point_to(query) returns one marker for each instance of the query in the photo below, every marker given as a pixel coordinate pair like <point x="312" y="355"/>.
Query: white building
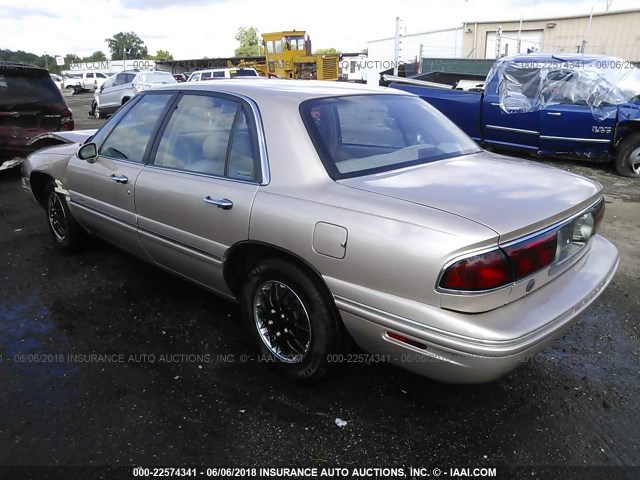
<point x="434" y="44"/>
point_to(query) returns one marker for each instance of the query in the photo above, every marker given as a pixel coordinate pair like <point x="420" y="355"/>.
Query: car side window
<point x="120" y="79"/>
<point x="89" y="75"/>
<point x="209" y="135"/>
<point x="129" y="139"/>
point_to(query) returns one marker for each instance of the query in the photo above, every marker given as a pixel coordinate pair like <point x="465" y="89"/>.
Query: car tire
<point x="293" y="320"/>
<point x="628" y="156"/>
<point x="66" y="233"/>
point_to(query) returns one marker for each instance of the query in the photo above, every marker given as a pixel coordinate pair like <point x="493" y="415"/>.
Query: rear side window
<point x="209" y="135"/>
<point x="22" y="87"/>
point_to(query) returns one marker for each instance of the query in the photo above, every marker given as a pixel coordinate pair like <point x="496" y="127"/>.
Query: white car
<point x="57" y="79"/>
<point x="78" y="82"/>
<point x="219" y="73"/>
<point x="121" y="87"/>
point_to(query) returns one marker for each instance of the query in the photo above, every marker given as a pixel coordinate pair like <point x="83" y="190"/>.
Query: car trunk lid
<point x="513" y="197"/>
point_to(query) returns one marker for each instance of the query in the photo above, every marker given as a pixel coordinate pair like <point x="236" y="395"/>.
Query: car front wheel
<point x="292" y="319"/>
<point x="628" y="156"/>
<point x="64" y="229"/>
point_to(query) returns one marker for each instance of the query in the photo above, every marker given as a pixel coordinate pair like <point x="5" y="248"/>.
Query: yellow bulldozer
<point x="288" y="55"/>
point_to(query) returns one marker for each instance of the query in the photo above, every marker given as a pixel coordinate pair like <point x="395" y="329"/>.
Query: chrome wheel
<point x="57" y="217"/>
<point x="634" y="161"/>
<point x="282" y="321"/>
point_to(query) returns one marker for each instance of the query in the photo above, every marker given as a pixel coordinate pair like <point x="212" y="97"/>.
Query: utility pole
<point x="397" y="49"/>
<point x="586" y="42"/>
<point x="519" y="35"/>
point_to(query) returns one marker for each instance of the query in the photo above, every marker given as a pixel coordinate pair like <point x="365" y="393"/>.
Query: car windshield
<point x="157" y="77"/>
<point x="27" y="88"/>
<point x="364" y="134"/>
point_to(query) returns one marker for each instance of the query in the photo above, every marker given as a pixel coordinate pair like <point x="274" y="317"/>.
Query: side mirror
<point x="88" y="152"/>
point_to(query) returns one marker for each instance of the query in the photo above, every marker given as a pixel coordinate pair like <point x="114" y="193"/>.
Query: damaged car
<point x="335" y="212"/>
<point x="566" y="106"/>
<point x="30" y="105"/>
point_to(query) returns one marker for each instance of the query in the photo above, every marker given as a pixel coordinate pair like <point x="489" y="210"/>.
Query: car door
<point x="511" y="118"/>
<point x="569" y="124"/>
<point x="89" y="81"/>
<point x="102" y="190"/>
<point x="194" y="199"/>
<point x="109" y="97"/>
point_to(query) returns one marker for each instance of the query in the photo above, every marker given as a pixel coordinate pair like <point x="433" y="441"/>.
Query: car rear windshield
<point x="364" y="134"/>
<point x="24" y="87"/>
<point x="157" y="77"/>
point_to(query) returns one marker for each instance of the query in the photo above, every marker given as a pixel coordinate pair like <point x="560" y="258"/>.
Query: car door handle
<point x="119" y="178"/>
<point x="554" y="114"/>
<point x="223" y="203"/>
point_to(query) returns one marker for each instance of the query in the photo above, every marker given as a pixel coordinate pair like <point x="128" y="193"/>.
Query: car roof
<point x="6" y="65"/>
<point x="273" y="89"/>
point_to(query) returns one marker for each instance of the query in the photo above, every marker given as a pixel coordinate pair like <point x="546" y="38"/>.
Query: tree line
<point x="123" y="45"/>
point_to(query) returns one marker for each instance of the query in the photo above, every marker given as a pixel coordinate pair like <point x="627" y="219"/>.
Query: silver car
<point x="331" y="210"/>
<point x="121" y="87"/>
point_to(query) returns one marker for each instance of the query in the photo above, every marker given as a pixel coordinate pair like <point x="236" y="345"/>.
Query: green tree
<point x="326" y="51"/>
<point x="163" y="55"/>
<point x="70" y="58"/>
<point x="97" y="56"/>
<point x="249" y="42"/>
<point x="126" y="45"/>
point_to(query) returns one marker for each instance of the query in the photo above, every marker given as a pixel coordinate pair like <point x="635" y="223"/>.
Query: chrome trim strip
<point x="182" y="247"/>
<point x="573" y="139"/>
<point x="104" y="216"/>
<point x="517" y="130"/>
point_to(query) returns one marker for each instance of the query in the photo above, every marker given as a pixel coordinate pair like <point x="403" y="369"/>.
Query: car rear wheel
<point x="64" y="229"/>
<point x="628" y="156"/>
<point x="292" y="319"/>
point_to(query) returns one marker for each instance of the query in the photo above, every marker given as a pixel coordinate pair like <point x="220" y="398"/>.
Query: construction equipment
<point x="288" y="55"/>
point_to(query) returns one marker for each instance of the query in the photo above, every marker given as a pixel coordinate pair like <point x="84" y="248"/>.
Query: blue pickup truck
<point x="575" y="106"/>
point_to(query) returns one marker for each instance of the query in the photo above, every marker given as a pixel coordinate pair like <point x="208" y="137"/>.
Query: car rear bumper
<point x="462" y="358"/>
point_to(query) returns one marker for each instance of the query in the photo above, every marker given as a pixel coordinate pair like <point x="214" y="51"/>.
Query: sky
<point x="197" y="28"/>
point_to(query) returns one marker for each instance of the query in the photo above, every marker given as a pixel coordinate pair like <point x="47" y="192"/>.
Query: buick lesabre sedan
<point x="330" y="211"/>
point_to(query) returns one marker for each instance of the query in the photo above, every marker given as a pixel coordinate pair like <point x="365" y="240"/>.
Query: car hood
<point x="72" y="136"/>
<point x="509" y="195"/>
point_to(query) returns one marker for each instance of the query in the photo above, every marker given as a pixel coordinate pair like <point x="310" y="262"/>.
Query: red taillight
<point x="66" y="122"/>
<point x="480" y="272"/>
<point x="532" y="255"/>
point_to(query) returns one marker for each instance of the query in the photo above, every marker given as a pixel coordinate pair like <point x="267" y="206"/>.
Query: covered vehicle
<point x="30" y="104"/>
<point x="575" y="106"/>
<point x="329" y="210"/>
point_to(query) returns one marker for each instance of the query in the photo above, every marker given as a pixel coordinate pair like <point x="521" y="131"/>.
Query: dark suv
<point x="30" y="104"/>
